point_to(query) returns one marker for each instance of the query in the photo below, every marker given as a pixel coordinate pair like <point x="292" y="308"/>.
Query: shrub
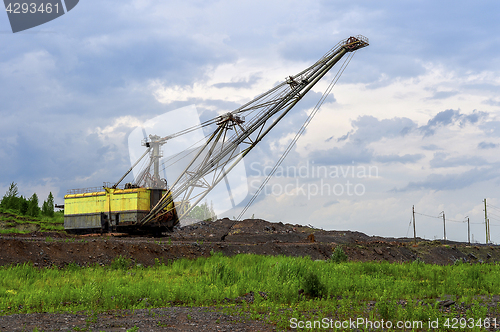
<point x="386" y="307"/>
<point x="120" y="263"/>
<point x="338" y="255"/>
<point x="313" y="286"/>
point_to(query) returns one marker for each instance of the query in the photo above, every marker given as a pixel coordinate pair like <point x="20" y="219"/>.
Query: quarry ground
<point x="226" y="236"/>
<point x="231" y="238"/>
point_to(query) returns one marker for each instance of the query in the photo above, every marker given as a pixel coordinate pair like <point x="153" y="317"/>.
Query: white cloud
<point x="81" y="89"/>
<point x="116" y="130"/>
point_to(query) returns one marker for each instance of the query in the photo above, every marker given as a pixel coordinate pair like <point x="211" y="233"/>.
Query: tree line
<point x="203" y="212"/>
<point x="29" y="206"/>
<point x="26" y="206"/>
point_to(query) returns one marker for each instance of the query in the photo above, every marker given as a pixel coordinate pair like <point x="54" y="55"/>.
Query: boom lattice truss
<point x="236" y="134"/>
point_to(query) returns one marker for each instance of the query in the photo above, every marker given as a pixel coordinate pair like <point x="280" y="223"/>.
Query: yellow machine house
<point x="109" y="209"/>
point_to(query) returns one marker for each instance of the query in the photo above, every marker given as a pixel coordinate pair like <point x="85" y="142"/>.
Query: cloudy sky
<point x="414" y="119"/>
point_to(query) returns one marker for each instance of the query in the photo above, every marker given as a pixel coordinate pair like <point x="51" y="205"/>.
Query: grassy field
<point x="286" y="290"/>
<point x="11" y="222"/>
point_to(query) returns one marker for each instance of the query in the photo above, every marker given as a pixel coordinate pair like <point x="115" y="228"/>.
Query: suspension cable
<point x="299" y="133"/>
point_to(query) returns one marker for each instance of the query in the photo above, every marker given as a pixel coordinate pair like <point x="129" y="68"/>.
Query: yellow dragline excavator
<point x="149" y="204"/>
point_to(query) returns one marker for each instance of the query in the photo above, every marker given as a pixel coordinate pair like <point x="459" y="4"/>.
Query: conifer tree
<point x="9" y="200"/>
<point x="33" y="208"/>
<point x="23" y="205"/>
<point x="48" y="206"/>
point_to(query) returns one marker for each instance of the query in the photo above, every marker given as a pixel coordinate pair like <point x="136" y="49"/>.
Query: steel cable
<point x="298" y="134"/>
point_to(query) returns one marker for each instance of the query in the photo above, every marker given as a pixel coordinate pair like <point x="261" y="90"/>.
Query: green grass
<point x="337" y="291"/>
<point x="12" y="231"/>
<point x="47" y="224"/>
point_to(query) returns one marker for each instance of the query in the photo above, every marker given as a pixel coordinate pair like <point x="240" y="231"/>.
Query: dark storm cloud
<point x="342" y="138"/>
<point x="440" y="160"/>
<point x="240" y="84"/>
<point x="405" y="159"/>
<point x="418" y="33"/>
<point x="368" y="129"/>
<point x="330" y="203"/>
<point x="452" y="181"/>
<point x="70" y="156"/>
<point x="491" y="128"/>
<point x="449" y="117"/>
<point x="431" y="147"/>
<point x="350" y="154"/>
<point x="491" y="102"/>
<point x="487" y="145"/>
<point x="96" y="66"/>
<point x="87" y="68"/>
<point x="345" y="155"/>
<point x="443" y="118"/>
<point x="99" y="49"/>
<point x="443" y="94"/>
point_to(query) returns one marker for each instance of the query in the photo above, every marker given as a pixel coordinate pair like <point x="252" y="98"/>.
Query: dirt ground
<point x="226" y="236"/>
<point x="231" y="238"/>
<point x="160" y="319"/>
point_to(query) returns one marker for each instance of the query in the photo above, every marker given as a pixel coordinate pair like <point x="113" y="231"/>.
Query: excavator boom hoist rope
<point x="239" y="131"/>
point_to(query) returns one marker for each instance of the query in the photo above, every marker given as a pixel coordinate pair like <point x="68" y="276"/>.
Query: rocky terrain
<point x="226" y="236"/>
<point x="231" y="238"/>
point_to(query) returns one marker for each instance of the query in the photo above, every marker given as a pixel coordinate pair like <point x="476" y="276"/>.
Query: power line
<point x="497" y="219"/>
<point x="440" y="217"/>
<point x="454" y="220"/>
<point x="409" y="225"/>
<point x="496" y="215"/>
<point x="493" y="206"/>
<point x="428" y="215"/>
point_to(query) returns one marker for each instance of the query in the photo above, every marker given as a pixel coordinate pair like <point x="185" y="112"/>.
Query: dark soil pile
<point x="227" y="236"/>
<point x="231" y="238"/>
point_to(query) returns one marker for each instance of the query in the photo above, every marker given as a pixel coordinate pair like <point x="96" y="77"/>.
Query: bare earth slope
<point x="231" y="238"/>
<point x="226" y="236"/>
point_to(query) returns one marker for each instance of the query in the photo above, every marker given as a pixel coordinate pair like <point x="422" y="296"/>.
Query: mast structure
<point x="235" y="135"/>
<point x="150" y="175"/>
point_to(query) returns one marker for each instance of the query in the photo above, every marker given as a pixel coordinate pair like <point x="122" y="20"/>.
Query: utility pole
<point x="414" y="232"/>
<point x="489" y="233"/>
<point x="486" y="220"/>
<point x="468" y="230"/>
<point x="444" y="228"/>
